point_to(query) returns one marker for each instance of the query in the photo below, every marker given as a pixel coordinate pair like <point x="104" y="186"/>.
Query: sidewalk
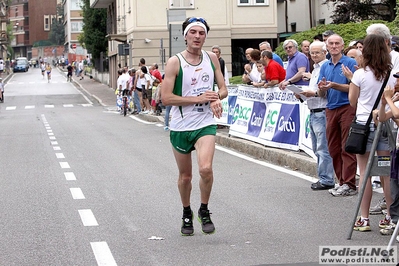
<point x="298" y="161"/>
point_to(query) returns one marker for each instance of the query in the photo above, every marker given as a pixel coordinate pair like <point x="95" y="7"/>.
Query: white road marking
<point x="68" y="105"/>
<point x="29" y="107"/>
<point x="278" y="168"/>
<point x="103" y="254"/>
<point x="87" y="217"/>
<point x="49" y="106"/>
<point x="49" y="130"/>
<point x="9" y="108"/>
<point x="57" y="148"/>
<point x="60" y="155"/>
<point x="54" y="143"/>
<point x="140" y="120"/>
<point x="50" y="133"/>
<point x="64" y="165"/>
<point x="87" y="104"/>
<point x="77" y="193"/>
<point x="52" y="138"/>
<point x="69" y="176"/>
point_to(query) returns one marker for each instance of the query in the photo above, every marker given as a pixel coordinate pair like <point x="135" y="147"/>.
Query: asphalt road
<point x="82" y="185"/>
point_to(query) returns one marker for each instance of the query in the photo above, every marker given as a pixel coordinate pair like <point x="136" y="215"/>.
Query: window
<point x="46" y="23"/>
<point x="253" y="2"/>
<point x="76" y="26"/>
<point x="76" y="4"/>
<point x="182" y="4"/>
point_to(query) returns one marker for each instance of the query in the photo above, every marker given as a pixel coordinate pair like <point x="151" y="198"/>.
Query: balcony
<point x="101" y="3"/>
<point x="3" y="36"/>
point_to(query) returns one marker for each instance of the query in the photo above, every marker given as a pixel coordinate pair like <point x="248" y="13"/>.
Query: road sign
<point x="73" y="46"/>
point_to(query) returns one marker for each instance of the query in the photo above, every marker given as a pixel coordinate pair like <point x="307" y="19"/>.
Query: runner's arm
<point x="169" y="98"/>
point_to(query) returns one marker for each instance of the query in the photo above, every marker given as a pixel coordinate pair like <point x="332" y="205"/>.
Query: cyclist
<point x="122" y="85"/>
<point x="48" y="70"/>
<point x="69" y="75"/>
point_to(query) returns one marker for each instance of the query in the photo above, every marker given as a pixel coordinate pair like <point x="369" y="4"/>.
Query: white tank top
<point x="193" y="80"/>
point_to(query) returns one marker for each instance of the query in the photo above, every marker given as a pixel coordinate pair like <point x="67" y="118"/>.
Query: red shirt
<point x="157" y="74"/>
<point x="274" y="71"/>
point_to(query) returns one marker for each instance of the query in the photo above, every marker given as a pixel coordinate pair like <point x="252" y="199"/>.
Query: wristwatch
<point x="316" y="94"/>
<point x="290" y="82"/>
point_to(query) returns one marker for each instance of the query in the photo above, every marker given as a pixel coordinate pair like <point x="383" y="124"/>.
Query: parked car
<point x="21" y="66"/>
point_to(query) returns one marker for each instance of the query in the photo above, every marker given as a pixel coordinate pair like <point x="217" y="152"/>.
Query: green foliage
<point x="236" y="80"/>
<point x="94" y="30"/>
<point x="43" y="43"/>
<point x="57" y="33"/>
<point x="359" y="10"/>
<point x="349" y="32"/>
<point x="9" y="32"/>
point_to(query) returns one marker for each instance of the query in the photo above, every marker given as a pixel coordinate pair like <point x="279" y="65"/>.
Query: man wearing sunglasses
<point x="188" y="87"/>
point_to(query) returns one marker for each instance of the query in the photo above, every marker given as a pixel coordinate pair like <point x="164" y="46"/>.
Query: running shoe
<point x="388" y="230"/>
<point x="187" y="228"/>
<point x="331" y="190"/>
<point x="362" y="225"/>
<point x="204" y="217"/>
<point x="384" y="223"/>
<point x="344" y="191"/>
<point x="379" y="207"/>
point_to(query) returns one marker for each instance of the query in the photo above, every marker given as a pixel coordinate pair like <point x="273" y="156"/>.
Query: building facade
<point x="31" y="22"/>
<point x="4" y="41"/>
<point x="152" y="29"/>
<point x="73" y="25"/>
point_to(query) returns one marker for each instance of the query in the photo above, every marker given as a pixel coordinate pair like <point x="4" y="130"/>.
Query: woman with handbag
<point x="365" y="91"/>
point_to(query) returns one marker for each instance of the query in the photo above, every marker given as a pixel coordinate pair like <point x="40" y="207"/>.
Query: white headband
<point x="196" y="23"/>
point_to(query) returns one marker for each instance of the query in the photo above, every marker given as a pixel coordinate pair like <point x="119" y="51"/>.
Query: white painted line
<point x="9" y="108"/>
<point x="29" y="107"/>
<point x="52" y="138"/>
<point x="69" y="176"/>
<point x="49" y="130"/>
<point x="278" y="168"/>
<point x="87" y="104"/>
<point x="142" y="121"/>
<point x="48" y="127"/>
<point x="48" y="106"/>
<point x="88" y="218"/>
<point x="50" y="133"/>
<point x="54" y="143"/>
<point x="64" y="165"/>
<point x="68" y="105"/>
<point x="57" y="148"/>
<point x="77" y="193"/>
<point x="60" y="155"/>
<point x="103" y="254"/>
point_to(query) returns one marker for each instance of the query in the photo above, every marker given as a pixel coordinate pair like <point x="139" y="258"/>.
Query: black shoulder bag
<point x="358" y="134"/>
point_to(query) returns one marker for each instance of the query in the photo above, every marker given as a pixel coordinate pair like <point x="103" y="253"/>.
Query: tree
<point x="94" y="30"/>
<point x="57" y="33"/>
<point x="349" y="32"/>
<point x="359" y="10"/>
